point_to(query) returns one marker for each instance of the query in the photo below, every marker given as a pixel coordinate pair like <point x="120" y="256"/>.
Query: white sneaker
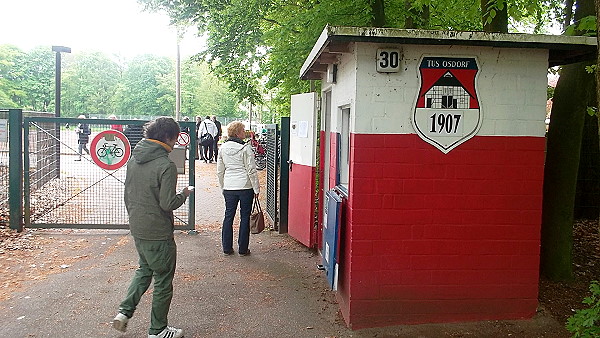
<point x="168" y="332"/>
<point x="120" y="322"/>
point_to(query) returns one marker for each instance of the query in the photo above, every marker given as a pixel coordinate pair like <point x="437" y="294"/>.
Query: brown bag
<point x="257" y="219"/>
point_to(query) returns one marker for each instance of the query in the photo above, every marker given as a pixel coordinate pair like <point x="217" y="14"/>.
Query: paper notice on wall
<point x="3" y="130"/>
<point x="303" y="129"/>
<point x="294" y="128"/>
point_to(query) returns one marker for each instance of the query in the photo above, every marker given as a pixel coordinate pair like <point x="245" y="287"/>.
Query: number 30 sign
<point x="388" y="60"/>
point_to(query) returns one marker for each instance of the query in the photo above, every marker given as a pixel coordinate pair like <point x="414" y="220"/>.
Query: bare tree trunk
<point x="568" y="14"/>
<point x="499" y="21"/>
<point x="597" y="7"/>
<point x="417" y="17"/>
<point x="572" y="95"/>
<point x="377" y="8"/>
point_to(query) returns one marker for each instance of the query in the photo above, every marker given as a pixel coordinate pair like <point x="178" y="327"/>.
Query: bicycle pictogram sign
<point x="183" y="139"/>
<point x="110" y="149"/>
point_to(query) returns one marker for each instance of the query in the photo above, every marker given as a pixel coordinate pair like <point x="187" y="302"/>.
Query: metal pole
<point x="15" y="175"/>
<point x="178" y="85"/>
<point x="57" y="86"/>
<point x="58" y="50"/>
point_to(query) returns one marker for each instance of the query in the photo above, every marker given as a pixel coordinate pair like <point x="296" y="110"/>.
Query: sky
<point x="110" y="26"/>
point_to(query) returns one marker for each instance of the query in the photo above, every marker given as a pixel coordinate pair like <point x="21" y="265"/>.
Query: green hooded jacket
<point x="150" y="191"/>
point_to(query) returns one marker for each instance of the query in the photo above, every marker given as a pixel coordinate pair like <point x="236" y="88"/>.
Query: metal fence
<point x="69" y="189"/>
<point x="272" y="148"/>
<point x="4" y="179"/>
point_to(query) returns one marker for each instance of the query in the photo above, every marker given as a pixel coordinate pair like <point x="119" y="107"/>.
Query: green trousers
<point x="156" y="259"/>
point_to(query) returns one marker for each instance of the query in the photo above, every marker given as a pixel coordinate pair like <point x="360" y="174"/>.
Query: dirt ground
<point x="42" y="263"/>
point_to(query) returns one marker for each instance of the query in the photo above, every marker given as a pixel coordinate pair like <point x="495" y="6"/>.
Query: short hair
<point x="235" y="128"/>
<point x="208" y="117"/>
<point x="162" y="129"/>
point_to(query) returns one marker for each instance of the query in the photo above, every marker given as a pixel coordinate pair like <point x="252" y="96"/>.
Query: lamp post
<point x="58" y="50"/>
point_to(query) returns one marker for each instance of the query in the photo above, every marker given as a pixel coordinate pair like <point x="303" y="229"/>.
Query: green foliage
<point x="204" y="94"/>
<point x="259" y="46"/>
<point x="10" y="94"/>
<point x="93" y="83"/>
<point x="88" y="90"/>
<point x="585" y="323"/>
<point x="586" y="26"/>
<point x="36" y="79"/>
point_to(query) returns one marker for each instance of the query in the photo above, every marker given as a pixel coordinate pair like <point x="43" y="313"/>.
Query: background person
<point x="83" y="137"/>
<point x="150" y="199"/>
<point x="237" y="176"/>
<point x="198" y="152"/>
<point x="118" y="127"/>
<point x="207" y="126"/>
<point x="219" y="134"/>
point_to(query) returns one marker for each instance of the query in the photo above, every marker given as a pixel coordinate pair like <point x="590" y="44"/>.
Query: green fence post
<point x="284" y="175"/>
<point x="15" y="190"/>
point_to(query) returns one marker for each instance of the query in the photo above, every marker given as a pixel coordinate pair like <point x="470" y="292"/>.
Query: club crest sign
<point x="447" y="111"/>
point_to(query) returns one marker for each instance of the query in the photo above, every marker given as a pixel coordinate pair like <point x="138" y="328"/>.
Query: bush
<point x="585" y="323"/>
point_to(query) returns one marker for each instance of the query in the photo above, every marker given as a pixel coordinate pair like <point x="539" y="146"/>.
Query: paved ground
<point x="275" y="292"/>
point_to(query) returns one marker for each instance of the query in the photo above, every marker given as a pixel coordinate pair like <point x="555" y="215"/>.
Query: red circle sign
<point x="110" y="149"/>
<point x="183" y="139"/>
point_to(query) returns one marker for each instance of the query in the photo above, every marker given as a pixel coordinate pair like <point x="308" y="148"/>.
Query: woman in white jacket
<point x="236" y="170"/>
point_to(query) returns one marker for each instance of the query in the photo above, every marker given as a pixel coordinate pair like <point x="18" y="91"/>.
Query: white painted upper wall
<point x="511" y="88"/>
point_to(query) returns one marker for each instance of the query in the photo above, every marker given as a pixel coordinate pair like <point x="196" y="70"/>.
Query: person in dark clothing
<point x="150" y="198"/>
<point x="83" y="137"/>
<point x="207" y="127"/>
<point x="134" y="133"/>
<point x="218" y="137"/>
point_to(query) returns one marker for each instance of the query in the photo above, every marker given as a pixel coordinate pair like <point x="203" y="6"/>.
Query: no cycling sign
<point x="110" y="149"/>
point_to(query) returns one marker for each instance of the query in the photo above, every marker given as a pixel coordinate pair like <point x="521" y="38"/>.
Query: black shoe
<point x="78" y="159"/>
<point x="229" y="253"/>
<point x="245" y="253"/>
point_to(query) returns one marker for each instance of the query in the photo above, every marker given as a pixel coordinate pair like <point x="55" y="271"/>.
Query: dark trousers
<point x="232" y="197"/>
<point x="216" y="147"/>
<point x="207" y="152"/>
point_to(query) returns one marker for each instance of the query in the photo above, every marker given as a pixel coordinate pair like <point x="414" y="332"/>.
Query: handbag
<point x="257" y="219"/>
<point x="206" y="139"/>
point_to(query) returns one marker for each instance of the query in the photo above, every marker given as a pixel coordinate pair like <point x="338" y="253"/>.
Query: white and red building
<point x="436" y="140"/>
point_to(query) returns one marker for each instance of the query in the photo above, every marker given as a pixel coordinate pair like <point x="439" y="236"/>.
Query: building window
<point x="344" y="148"/>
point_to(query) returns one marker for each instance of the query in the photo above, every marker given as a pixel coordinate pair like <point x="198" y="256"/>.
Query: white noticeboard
<point x="303" y="132"/>
<point x="3" y="130"/>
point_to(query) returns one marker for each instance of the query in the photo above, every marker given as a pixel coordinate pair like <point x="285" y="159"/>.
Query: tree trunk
<point x="568" y="14"/>
<point x="377" y="8"/>
<point x="571" y="98"/>
<point x="597" y="6"/>
<point x="560" y="173"/>
<point x="499" y="21"/>
<point x="417" y="17"/>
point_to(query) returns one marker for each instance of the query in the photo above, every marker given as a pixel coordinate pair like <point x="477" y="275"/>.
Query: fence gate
<point x="65" y="190"/>
<point x="272" y="138"/>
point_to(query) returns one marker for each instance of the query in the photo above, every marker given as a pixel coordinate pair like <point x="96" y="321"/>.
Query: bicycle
<point x="260" y="152"/>
<point x="107" y="150"/>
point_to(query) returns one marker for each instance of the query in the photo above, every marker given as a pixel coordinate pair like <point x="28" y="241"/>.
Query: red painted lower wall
<point x="301" y="213"/>
<point x="433" y="237"/>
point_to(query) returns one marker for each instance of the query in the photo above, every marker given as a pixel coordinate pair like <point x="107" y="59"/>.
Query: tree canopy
<point x="259" y="46"/>
<point x="97" y="84"/>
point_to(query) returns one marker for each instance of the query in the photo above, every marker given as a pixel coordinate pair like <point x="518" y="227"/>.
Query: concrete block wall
<point x="439" y="238"/>
<point x="433" y="237"/>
